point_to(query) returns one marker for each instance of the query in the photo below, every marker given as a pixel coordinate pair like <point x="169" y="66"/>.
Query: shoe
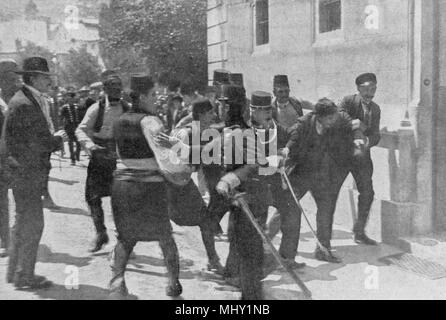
<point x="99" y="242"/>
<point x="3" y="252"/>
<point x="361" y="238"/>
<point x="233" y="281"/>
<point x="119" y="293"/>
<point x="37" y="282"/>
<point x="320" y="255"/>
<point x="174" y="289"/>
<point x="293" y="264"/>
<point x="216" y="267"/>
<point x="73" y="163"/>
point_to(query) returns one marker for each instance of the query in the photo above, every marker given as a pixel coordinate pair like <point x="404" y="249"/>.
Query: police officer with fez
<point x="96" y="136"/>
<point x="30" y="139"/>
<point x="366" y="115"/>
<point x="139" y="197"/>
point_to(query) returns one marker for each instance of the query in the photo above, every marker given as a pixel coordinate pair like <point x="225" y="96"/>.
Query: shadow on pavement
<point x="73" y="211"/>
<point x="67" y="182"/>
<point x="84" y="292"/>
<point x="156" y="262"/>
<point x="45" y="255"/>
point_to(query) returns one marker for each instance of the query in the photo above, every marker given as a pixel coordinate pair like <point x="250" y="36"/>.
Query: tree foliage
<point x="163" y="36"/>
<point x="81" y="68"/>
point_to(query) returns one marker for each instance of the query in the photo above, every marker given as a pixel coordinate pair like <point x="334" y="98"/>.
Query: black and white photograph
<point x="241" y="151"/>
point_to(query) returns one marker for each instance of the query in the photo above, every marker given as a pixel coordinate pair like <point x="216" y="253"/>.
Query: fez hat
<point x="232" y="93"/>
<point x="261" y="99"/>
<point x="201" y="105"/>
<point x="35" y="65"/>
<point x="7" y="65"/>
<point x="281" y="80"/>
<point x="109" y="75"/>
<point x="141" y="83"/>
<point x="236" y="79"/>
<point x="366" y="79"/>
<point x="221" y="76"/>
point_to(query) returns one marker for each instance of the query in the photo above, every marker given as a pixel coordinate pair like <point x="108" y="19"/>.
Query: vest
<point x="129" y="137"/>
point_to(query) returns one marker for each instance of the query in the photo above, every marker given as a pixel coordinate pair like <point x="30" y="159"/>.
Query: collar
<point x="34" y="91"/>
<point x="282" y="105"/>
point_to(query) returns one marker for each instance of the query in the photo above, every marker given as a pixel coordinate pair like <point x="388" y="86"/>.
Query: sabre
<point x="245" y="208"/>
<point x="287" y="180"/>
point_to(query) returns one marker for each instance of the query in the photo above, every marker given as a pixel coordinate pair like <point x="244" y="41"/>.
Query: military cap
<point x="261" y="99"/>
<point x="281" y="80"/>
<point x="221" y="76"/>
<point x="366" y="79"/>
<point x="109" y="75"/>
<point x="141" y="83"/>
<point x="177" y="97"/>
<point x="8" y="65"/>
<point x="236" y="79"/>
<point x="201" y="105"/>
<point x="96" y="85"/>
<point x="84" y="89"/>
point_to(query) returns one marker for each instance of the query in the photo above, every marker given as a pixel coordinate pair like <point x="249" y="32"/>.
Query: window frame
<point x="263" y="47"/>
<point x="329" y="37"/>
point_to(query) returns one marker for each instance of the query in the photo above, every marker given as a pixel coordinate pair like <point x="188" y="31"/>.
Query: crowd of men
<point x="125" y="134"/>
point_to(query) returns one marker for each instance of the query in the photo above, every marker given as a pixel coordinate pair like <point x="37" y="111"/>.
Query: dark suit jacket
<point x="28" y="138"/>
<point x="71" y="116"/>
<point x="337" y="141"/>
<point x="353" y="107"/>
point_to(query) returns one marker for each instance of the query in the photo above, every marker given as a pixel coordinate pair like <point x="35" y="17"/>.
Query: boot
<point x="117" y="287"/>
<point x="320" y="255"/>
<point x="216" y="266"/>
<point x="361" y="238"/>
<point x="174" y="288"/>
<point x="99" y="242"/>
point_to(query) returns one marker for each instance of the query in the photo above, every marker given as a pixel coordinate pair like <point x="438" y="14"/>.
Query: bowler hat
<point x="236" y="79"/>
<point x="281" y="80"/>
<point x="8" y="65"/>
<point x="141" y="83"/>
<point x="366" y="79"/>
<point x="221" y="76"/>
<point x="35" y="65"/>
<point x="261" y="99"/>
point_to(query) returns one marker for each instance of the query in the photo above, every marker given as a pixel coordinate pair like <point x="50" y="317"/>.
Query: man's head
<point x="143" y="92"/>
<point x="203" y="111"/>
<point x="326" y="113"/>
<point x="187" y="90"/>
<point x="70" y="95"/>
<point x="221" y="77"/>
<point x="112" y="84"/>
<point x="9" y="80"/>
<point x="177" y="100"/>
<point x="261" y="110"/>
<point x="281" y="88"/>
<point x="36" y="74"/>
<point x="367" y="85"/>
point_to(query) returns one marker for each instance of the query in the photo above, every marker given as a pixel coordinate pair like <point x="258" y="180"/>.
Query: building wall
<point x="327" y="65"/>
<point x="217" y="43"/>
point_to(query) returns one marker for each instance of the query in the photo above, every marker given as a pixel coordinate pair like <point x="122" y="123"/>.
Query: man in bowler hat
<point x="366" y="115"/>
<point x="30" y="139"/>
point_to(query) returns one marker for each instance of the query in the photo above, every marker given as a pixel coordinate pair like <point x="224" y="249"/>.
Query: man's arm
<point x="375" y="135"/>
<point x="85" y="130"/>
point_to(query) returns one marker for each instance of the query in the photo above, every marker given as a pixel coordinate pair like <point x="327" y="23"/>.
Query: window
<point x="329" y="15"/>
<point x="262" y="22"/>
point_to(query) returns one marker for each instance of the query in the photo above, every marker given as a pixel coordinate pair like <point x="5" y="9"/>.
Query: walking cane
<point x="287" y="180"/>
<point x="247" y="211"/>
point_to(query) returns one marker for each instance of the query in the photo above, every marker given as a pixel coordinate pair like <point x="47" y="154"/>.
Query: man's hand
<point x="62" y="134"/>
<point x="356" y="124"/>
<point x="359" y="143"/>
<point x="95" y="149"/>
<point x="223" y="189"/>
<point x="166" y="141"/>
<point x="285" y="152"/>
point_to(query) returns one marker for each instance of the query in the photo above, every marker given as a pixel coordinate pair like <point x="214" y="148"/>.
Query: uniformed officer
<point x="366" y="114"/>
<point x="96" y="136"/>
<point x="70" y="116"/>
